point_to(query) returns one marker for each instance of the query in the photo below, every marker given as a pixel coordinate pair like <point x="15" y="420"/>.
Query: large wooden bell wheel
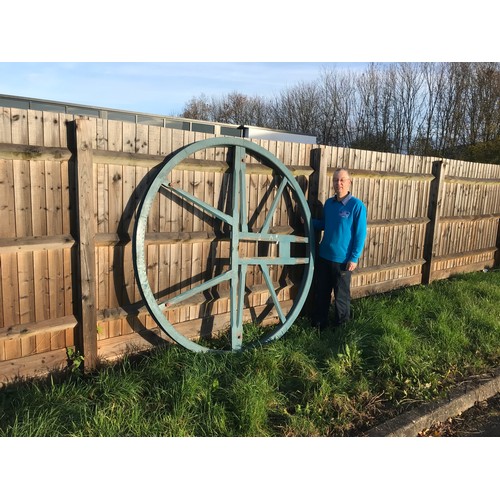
<point x="237" y="221"/>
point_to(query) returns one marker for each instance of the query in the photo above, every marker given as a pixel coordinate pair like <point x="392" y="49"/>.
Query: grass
<point x="400" y="350"/>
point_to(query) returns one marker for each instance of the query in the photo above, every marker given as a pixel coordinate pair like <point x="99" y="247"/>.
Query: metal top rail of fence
<point x="179" y="123"/>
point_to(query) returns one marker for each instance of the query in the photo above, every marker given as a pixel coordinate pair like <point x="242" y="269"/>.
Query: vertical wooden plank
<point x="115" y="197"/>
<point x="41" y="286"/>
<point x="299" y="155"/>
<point x="377" y="240"/>
<point x="177" y="139"/>
<point x="102" y="284"/>
<point x="154" y="140"/>
<point x="165" y="141"/>
<point x="116" y="285"/>
<point x="405" y="198"/>
<point x="9" y="293"/>
<point x="53" y="194"/>
<point x="128" y="137"/>
<point x="186" y="275"/>
<point x="175" y="274"/>
<point x="388" y="199"/>
<point x="7" y="200"/>
<point x="294" y="154"/>
<point x="405" y="238"/>
<point x="113" y="278"/>
<point x="210" y="198"/>
<point x="384" y="242"/>
<point x="26" y="287"/>
<point x="164" y="268"/>
<point x="5" y="125"/>
<point x="68" y="291"/>
<point x="187" y="216"/>
<point x="9" y="284"/>
<point x="102" y="197"/>
<point x="412" y="204"/>
<point x="198" y="179"/>
<point x="141" y="183"/>
<point x="51" y="129"/>
<point x="56" y="283"/>
<point x="381" y="187"/>
<point x="151" y="144"/>
<point x="253" y="200"/>
<point x="35" y="128"/>
<point x="196" y="271"/>
<point x="126" y="229"/>
<point x="22" y="188"/>
<point x="141" y="138"/>
<point x="87" y="315"/>
<point x="19" y="126"/>
<point x="115" y="141"/>
<point x="38" y="198"/>
<point x="65" y="198"/>
<point x="10" y="274"/>
<point x="102" y="134"/>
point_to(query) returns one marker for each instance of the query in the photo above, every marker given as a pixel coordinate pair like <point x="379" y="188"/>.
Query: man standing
<point x="344" y="226"/>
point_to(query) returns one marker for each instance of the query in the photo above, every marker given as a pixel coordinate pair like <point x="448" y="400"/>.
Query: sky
<point x="154" y="87"/>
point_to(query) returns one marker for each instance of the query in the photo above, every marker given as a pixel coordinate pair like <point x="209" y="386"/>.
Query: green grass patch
<point x="403" y="348"/>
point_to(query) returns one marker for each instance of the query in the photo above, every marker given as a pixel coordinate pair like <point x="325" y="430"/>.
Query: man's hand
<point x="350" y="266"/>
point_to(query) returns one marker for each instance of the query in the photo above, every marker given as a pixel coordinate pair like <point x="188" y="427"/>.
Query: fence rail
<point x="70" y="188"/>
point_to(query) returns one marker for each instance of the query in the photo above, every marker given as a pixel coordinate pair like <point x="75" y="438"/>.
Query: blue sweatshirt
<point x="344" y="225"/>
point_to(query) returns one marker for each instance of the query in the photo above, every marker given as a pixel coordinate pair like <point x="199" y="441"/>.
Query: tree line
<point x="449" y="109"/>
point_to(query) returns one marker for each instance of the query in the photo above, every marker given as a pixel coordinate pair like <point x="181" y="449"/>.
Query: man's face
<point x="341" y="183"/>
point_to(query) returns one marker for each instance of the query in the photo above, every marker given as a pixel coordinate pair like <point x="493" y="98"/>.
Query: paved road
<point x="471" y="409"/>
<point x="481" y="420"/>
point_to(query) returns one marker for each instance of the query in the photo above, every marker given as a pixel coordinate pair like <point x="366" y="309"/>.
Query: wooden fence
<point x="70" y="187"/>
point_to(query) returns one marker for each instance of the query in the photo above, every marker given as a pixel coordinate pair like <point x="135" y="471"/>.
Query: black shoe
<point x="320" y="326"/>
<point x="340" y="324"/>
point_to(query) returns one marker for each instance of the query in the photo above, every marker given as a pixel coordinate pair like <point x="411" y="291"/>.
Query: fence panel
<point x="468" y="230"/>
<point x="69" y="197"/>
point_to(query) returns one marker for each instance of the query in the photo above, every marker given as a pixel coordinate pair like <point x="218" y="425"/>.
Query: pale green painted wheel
<point x="237" y="220"/>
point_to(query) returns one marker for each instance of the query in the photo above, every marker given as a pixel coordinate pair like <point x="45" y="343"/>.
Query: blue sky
<point x="160" y="88"/>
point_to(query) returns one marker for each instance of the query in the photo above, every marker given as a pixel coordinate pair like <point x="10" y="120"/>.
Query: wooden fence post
<point x="318" y="184"/>
<point x="433" y="213"/>
<point x="317" y="194"/>
<point x="85" y="307"/>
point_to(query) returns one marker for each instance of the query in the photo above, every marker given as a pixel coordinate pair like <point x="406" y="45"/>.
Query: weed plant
<point x="401" y="349"/>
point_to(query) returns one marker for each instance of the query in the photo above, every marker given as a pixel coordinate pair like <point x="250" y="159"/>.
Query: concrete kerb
<point x="460" y="399"/>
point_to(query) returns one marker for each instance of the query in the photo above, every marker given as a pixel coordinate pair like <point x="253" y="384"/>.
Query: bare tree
<point x="337" y="100"/>
<point x="239" y="109"/>
<point x="373" y="110"/>
<point x="234" y="108"/>
<point x="409" y="101"/>
<point x="198" y="108"/>
<point x="417" y="108"/>
<point x="296" y="109"/>
<point x="483" y="102"/>
<point x="424" y="138"/>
